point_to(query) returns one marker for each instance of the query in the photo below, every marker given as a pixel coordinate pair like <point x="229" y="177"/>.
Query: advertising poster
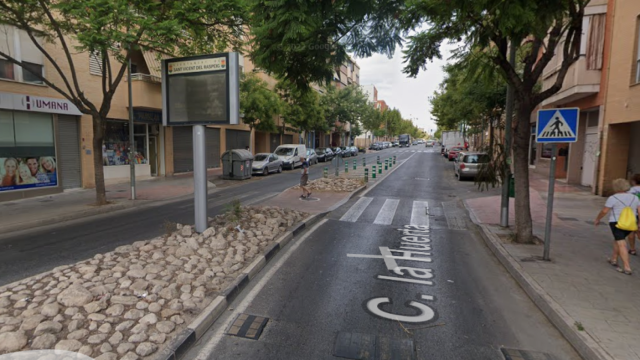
<point x="27" y="172"/>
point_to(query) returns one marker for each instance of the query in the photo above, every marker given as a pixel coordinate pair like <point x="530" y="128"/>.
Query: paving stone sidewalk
<point x="595" y="307"/>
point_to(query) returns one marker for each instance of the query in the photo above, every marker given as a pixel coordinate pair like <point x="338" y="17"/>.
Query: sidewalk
<point x="596" y="308"/>
<point x="73" y="204"/>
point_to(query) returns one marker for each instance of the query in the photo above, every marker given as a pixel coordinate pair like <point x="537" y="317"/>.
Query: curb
<point x="581" y="341"/>
<point x="199" y="326"/>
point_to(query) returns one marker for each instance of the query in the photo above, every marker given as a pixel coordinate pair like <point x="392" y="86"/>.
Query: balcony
<point x="147" y="91"/>
<point x="579" y="83"/>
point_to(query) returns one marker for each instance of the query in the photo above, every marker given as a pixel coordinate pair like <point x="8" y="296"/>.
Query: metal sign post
<point x="555" y="126"/>
<point x="200" y="177"/>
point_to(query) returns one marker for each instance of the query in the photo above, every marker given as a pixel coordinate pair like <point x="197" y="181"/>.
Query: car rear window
<point x="261" y="157"/>
<point x="476" y="159"/>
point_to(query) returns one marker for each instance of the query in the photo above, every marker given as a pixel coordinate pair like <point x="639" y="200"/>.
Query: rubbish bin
<point x="236" y="164"/>
<point x="512" y="186"/>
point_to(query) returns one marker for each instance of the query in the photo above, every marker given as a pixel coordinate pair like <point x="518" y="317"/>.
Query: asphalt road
<point x="324" y="298"/>
<point x="31" y="252"/>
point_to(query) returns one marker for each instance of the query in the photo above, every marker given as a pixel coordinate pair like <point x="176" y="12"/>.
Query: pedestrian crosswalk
<point x="388" y="211"/>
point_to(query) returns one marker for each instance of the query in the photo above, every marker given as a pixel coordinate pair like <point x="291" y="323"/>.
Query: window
<point x="95" y="63"/>
<point x="595" y="44"/>
<point x="115" y="148"/>
<point x="28" y="71"/>
<point x="6" y="70"/>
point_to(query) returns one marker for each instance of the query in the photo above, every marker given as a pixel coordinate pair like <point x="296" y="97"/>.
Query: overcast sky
<point x="409" y="95"/>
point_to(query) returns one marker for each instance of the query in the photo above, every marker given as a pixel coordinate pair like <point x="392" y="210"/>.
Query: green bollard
<point x="364" y="161"/>
<point x="325" y="172"/>
<point x="394" y="159"/>
<point x="390" y="163"/>
<point x="346" y="166"/>
<point x="366" y="175"/>
<point x="355" y="164"/>
<point x="373" y="173"/>
<point x="379" y="168"/>
<point x="386" y="164"/>
<point x="378" y="159"/>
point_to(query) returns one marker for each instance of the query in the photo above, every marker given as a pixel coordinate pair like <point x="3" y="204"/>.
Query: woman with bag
<point x="623" y="208"/>
<point x="635" y="190"/>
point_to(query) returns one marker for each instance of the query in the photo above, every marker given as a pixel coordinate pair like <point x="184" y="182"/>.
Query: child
<point x="635" y="190"/>
<point x="24" y="175"/>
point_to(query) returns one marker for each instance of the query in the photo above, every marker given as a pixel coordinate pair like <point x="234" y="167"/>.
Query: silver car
<point x="312" y="157"/>
<point x="265" y="163"/>
<point x="467" y="164"/>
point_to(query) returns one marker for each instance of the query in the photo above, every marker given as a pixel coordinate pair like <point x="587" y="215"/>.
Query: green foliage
<point x="259" y="104"/>
<point x="346" y="105"/>
<point x="302" y="109"/>
<point x="233" y="211"/>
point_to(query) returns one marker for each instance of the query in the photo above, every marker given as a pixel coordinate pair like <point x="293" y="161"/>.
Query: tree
<point x="301" y="108"/>
<point x="485" y="27"/>
<point x="258" y="104"/>
<point x="112" y="30"/>
<point x="346" y="105"/>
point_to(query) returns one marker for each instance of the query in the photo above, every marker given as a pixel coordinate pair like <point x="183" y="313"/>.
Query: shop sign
<point x="28" y="172"/>
<point x="146" y="116"/>
<point x="23" y="102"/>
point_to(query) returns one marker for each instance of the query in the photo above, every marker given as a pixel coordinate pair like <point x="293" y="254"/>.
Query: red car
<point x="453" y="153"/>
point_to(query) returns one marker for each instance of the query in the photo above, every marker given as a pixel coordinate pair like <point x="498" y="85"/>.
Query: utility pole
<point x="132" y="145"/>
<point x="504" y="208"/>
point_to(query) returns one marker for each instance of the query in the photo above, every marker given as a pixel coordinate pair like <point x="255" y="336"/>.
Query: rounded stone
<point x="69" y="345"/>
<point x="155" y="307"/>
<point x="105" y="328"/>
<point x="12" y="341"/>
<point x="97" y="338"/>
<point x="50" y="310"/>
<point x="74" y="295"/>
<point x="165" y="326"/>
<point x="42" y="342"/>
<point x="78" y="334"/>
<point x="141" y="305"/>
<point x="124" y="348"/>
<point x="48" y="327"/>
<point x="115" y="310"/>
<point x="146" y="349"/>
<point x="137" y="338"/>
<point x="149" y="319"/>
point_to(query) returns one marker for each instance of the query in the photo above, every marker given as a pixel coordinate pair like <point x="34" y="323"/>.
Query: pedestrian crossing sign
<point x="557" y="125"/>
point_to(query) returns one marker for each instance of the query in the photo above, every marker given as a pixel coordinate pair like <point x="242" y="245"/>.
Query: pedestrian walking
<point x="635" y="190"/>
<point x="614" y="207"/>
<point x="304" y="179"/>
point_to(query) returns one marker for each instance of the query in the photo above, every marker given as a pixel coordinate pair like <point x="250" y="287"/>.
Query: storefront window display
<point x="115" y="148"/>
<point x="27" y="151"/>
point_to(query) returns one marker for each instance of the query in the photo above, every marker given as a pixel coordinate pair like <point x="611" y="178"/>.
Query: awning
<point x="154" y="62"/>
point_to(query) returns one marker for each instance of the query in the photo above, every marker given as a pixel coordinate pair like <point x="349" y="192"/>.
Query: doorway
<point x="153" y="155"/>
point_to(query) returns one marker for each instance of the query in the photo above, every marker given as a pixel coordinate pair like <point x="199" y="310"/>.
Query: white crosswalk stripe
<point x="420" y="213"/>
<point x="356" y="210"/>
<point x="387" y="212"/>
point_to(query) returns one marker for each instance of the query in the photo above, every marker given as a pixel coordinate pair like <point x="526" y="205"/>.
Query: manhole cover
<point x="514" y="354"/>
<point x="309" y="199"/>
<point x="358" y="346"/>
<point x="248" y="326"/>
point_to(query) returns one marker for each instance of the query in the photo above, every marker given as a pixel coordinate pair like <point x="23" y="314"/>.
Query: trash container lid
<point x="237" y="154"/>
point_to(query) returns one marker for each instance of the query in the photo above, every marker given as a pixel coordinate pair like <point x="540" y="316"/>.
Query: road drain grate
<point x="514" y="354"/>
<point x="248" y="326"/>
<point x="358" y="346"/>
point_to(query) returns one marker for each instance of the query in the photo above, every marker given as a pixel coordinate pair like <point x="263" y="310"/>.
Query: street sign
<point x="557" y="125"/>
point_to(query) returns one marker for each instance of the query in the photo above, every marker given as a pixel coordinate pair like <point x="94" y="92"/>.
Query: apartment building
<point x="584" y="87"/>
<point x="42" y="129"/>
<point x="371" y="92"/>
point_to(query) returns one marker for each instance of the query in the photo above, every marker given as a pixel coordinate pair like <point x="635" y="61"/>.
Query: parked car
<point x="386" y="144"/>
<point x="467" y="164"/>
<point x="354" y="150"/>
<point x="453" y="152"/>
<point x="338" y="152"/>
<point x="376" y="146"/>
<point x="324" y="154"/>
<point x="290" y="154"/>
<point x="395" y="144"/>
<point x="346" y="152"/>
<point x="312" y="158"/>
<point x="414" y="143"/>
<point x="265" y="163"/>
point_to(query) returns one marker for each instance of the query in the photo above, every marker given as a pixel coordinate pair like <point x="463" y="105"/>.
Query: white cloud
<point x="409" y="95"/>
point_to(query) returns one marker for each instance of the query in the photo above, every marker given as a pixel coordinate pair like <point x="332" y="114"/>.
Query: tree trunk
<point x="98" y="135"/>
<point x="524" y="227"/>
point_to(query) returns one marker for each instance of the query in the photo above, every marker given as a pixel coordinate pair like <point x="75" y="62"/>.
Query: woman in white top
<point x="635" y="190"/>
<point x="615" y="203"/>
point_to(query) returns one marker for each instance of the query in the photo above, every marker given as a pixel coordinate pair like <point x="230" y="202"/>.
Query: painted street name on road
<point x="416" y="247"/>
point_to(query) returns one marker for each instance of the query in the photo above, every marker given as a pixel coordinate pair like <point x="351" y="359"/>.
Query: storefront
<point x="183" y="148"/>
<point x="39" y="154"/>
<point x="147" y="154"/>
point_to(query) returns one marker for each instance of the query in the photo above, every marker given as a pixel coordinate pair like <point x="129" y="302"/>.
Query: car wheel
<point x="280" y="169"/>
<point x="265" y="171"/>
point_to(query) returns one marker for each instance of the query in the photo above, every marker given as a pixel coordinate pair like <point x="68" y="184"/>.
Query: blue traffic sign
<point x="557" y="125"/>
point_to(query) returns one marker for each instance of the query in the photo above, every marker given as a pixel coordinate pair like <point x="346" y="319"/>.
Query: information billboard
<point x="201" y="90"/>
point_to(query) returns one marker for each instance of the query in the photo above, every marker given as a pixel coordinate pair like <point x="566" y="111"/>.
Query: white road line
<point x="356" y="210"/>
<point x="420" y="213"/>
<point x="208" y="348"/>
<point x="387" y="212"/>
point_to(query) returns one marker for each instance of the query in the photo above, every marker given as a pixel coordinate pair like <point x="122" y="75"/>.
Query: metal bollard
<point x="366" y="175"/>
<point x="346" y="166"/>
<point x="386" y="164"/>
<point x="373" y="173"/>
<point x="325" y="172"/>
<point x="394" y="159"/>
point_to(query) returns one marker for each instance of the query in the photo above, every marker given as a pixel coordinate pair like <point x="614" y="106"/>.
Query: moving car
<point x="312" y="158"/>
<point x="324" y="154"/>
<point x="395" y="144"/>
<point x="265" y="163"/>
<point x="453" y="152"/>
<point x="290" y="154"/>
<point x="429" y="143"/>
<point x="467" y="164"/>
<point x="404" y="140"/>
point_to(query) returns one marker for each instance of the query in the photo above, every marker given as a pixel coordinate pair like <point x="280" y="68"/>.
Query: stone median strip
<point x="212" y="312"/>
<point x="584" y="344"/>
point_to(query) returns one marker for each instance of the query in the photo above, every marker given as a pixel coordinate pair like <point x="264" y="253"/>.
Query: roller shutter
<point x="274" y="141"/>
<point x="213" y="147"/>
<point x="69" y="152"/>
<point x="182" y="149"/>
<point x="287" y="139"/>
<point x="238" y="139"/>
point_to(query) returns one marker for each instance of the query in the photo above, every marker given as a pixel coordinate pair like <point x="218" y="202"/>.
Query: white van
<point x="290" y="154"/>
